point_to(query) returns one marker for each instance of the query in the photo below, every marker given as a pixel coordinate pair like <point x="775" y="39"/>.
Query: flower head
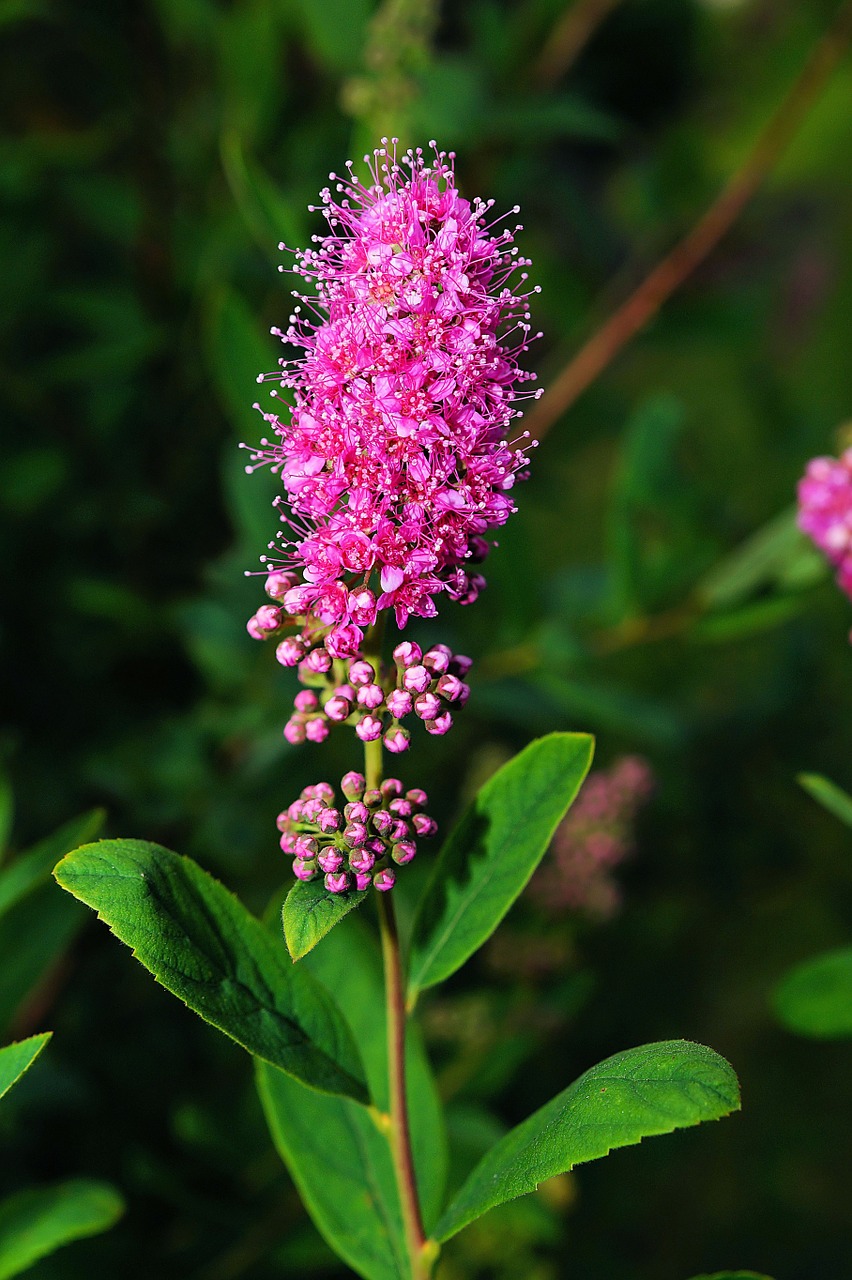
<point x="825" y="512"/>
<point x="394" y="454"/>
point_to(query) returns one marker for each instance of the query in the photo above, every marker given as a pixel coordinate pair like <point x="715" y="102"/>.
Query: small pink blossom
<point x="825" y="512"/>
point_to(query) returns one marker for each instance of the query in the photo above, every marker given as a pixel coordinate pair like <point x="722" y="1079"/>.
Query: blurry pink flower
<point x="825" y="512"/>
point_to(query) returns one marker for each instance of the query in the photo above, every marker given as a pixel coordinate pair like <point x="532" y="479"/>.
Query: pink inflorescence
<point x="357" y="844"/>
<point x="595" y="837"/>
<point x="825" y="512"/>
<point x="394" y="454"/>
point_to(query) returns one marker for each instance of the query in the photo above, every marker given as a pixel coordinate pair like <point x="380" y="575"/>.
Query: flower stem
<point x="400" y="1133"/>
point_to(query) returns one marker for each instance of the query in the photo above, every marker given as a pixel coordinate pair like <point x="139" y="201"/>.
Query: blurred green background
<point x="154" y="155"/>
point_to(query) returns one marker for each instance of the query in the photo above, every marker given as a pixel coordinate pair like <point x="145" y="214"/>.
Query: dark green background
<point x="155" y="154"/>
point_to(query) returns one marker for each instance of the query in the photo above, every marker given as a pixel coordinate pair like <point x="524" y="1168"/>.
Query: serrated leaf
<point x="35" y="1223"/>
<point x="310" y="912"/>
<point x="653" y="1089"/>
<point x="829" y="795"/>
<point x="17" y="1058"/>
<point x="489" y="857"/>
<point x="33" y="866"/>
<point x="815" y="997"/>
<point x="201" y="943"/>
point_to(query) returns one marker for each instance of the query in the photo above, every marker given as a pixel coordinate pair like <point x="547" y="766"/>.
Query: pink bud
<point x="264" y="622"/>
<point x="450" y="688"/>
<point x="330" y="860"/>
<point x="363" y="860"/>
<point x="294" y="730"/>
<point x="328" y="821"/>
<point x="356" y="811"/>
<point x="397" y="740"/>
<point x="318" y="661"/>
<point x="440" y="725"/>
<point x="384" y="880"/>
<point x="408" y="653"/>
<point x="338" y="709"/>
<point x="352" y="785"/>
<point x="306" y="847"/>
<point x="391" y="787"/>
<point x="372" y="798"/>
<point x="438" y="658"/>
<point x="304" y="870"/>
<point x="362" y="607"/>
<point x="278" y="584"/>
<point x="382" y="822"/>
<point x="306" y="700"/>
<point x="401" y="806"/>
<point x="288" y="842"/>
<point x="424" y="825"/>
<point x="427" y="706"/>
<point x="369" y="728"/>
<point x="298" y="600"/>
<point x="361" y="673"/>
<point x="337" y="883"/>
<point x="399" y="703"/>
<point x="290" y="651"/>
<point x="355" y="833"/>
<point x="404" y="851"/>
<point x="323" y="791"/>
<point x="370" y="696"/>
<point x="417" y="797"/>
<point x="316" y="730"/>
<point x="344" y="641"/>
<point x="460" y="665"/>
<point x="399" y="831"/>
<point x="295" y="811"/>
<point x="416" y="679"/>
<point x="363" y="880"/>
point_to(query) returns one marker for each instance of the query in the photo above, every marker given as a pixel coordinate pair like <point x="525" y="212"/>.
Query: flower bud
<point x="369" y="728"/>
<point x="399" y="703"/>
<point x="264" y="622"/>
<point x="418" y="798"/>
<point x="361" y="673"/>
<point x="294" y="730"/>
<point x="344" y="641"/>
<point x="373" y="798"/>
<point x="278" y="584"/>
<point x="400" y="830"/>
<point x="427" y="706"/>
<point x="338" y="883"/>
<point x="397" y="739"/>
<point x="403" y="852"/>
<point x="450" y="688"/>
<point x="363" y="880"/>
<point x="352" y="785"/>
<point x="298" y="600"/>
<point x="288" y="842"/>
<point x="316" y="730"/>
<point x="382" y="822"/>
<point x="338" y="709"/>
<point x="305" y="847"/>
<point x="355" y="833"/>
<point x="416" y="679"/>
<point x="323" y="791"/>
<point x="424" y="825"/>
<point x="328" y="821"/>
<point x="290" y="651"/>
<point x="438" y="659"/>
<point x="318" y="661"/>
<point x="370" y="696"/>
<point x="306" y="700"/>
<point x="304" y="870"/>
<point x="362" y="860"/>
<point x="356" y="811"/>
<point x="440" y="725"/>
<point x="402" y="807"/>
<point x="391" y="787"/>
<point x="408" y="653"/>
<point x="460" y="665"/>
<point x="384" y="880"/>
<point x="330" y="860"/>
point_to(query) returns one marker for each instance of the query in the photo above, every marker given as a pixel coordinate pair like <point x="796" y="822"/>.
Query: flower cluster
<point x="595" y="836"/>
<point x="355" y="845"/>
<point x="394" y="454"/>
<point x="825" y="512"/>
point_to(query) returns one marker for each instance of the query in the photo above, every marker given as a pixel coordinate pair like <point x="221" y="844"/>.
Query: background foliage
<point x="155" y="154"/>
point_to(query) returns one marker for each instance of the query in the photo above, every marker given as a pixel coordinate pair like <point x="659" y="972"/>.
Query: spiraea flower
<point x="356" y="843"/>
<point x="825" y="512"/>
<point x="594" y="837"/>
<point x="392" y="437"/>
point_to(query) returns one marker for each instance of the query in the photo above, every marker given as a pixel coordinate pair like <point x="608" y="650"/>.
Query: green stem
<point x="400" y="1132"/>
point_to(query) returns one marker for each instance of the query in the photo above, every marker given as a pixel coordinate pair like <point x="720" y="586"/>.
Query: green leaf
<point x="338" y="1155"/>
<point x="34" y="936"/>
<point x="36" y="1223"/>
<point x="310" y="912"/>
<point x="734" y="1275"/>
<point x="7" y="811"/>
<point x="653" y="1089"/>
<point x="199" y="941"/>
<point x="341" y="1165"/>
<point x="488" y="858"/>
<point x="33" y="867"/>
<point x="815" y="997"/>
<point x="779" y="554"/>
<point x="829" y="795"/>
<point x="265" y="209"/>
<point x="17" y="1058"/>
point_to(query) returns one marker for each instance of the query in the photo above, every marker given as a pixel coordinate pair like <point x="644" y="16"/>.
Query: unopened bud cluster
<point x="357" y="843"/>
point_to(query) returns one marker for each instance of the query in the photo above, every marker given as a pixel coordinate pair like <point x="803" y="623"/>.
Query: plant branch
<point x="568" y="38"/>
<point x="669" y="274"/>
